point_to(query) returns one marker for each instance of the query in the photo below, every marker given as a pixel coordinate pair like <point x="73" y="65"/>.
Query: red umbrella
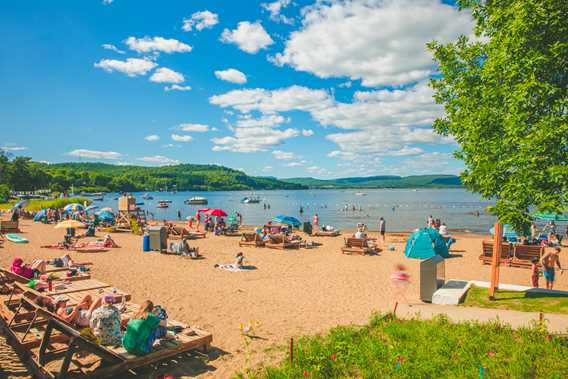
<point x="216" y="212"/>
<point x="204" y="210"/>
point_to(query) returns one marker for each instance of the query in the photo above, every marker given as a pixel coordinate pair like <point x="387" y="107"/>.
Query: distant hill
<point x="387" y="181"/>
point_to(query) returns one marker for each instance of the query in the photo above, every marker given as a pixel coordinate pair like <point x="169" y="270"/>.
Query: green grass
<point x="517" y="300"/>
<point x="36" y="205"/>
<point x="426" y="349"/>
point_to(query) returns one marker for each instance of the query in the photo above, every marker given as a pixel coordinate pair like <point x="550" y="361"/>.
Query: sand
<point x="291" y="293"/>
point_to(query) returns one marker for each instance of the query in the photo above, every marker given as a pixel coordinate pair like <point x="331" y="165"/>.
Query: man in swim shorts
<point x="548" y="261"/>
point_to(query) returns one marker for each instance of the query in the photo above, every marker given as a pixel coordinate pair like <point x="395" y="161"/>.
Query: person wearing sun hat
<point x="105" y="322"/>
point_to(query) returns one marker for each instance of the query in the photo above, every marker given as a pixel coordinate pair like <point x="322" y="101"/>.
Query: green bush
<point x="36" y="205"/>
<point x="437" y="348"/>
<point x="4" y="193"/>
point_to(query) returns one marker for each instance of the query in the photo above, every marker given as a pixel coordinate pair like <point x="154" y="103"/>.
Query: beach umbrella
<point x="69" y="224"/>
<point x="39" y="215"/>
<point x="204" y="210"/>
<point x="106" y="209"/>
<point x="105" y="216"/>
<point x="508" y="232"/>
<point x="91" y="207"/>
<point x="20" y="204"/>
<point x="544" y="216"/>
<point x="216" y="212"/>
<point x="75" y="207"/>
<point x="288" y="220"/>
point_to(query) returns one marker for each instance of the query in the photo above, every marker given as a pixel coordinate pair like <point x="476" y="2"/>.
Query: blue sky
<point x="282" y="88"/>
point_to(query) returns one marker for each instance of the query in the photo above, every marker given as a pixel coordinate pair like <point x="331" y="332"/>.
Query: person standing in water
<point x="382" y="228"/>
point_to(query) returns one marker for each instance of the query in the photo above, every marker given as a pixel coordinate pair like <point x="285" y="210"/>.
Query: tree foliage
<point x="504" y="93"/>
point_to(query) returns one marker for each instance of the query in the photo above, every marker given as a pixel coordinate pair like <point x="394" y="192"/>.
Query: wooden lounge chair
<point x="280" y="241"/>
<point x="359" y="246"/>
<point x="524" y="254"/>
<point x="251" y="239"/>
<point x="52" y="268"/>
<point x="323" y="233"/>
<point x="192" y="235"/>
<point x="9" y="226"/>
<point x="487" y="254"/>
<point x="7" y="276"/>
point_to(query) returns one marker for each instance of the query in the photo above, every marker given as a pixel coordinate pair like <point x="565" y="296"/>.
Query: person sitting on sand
<point x="109" y="242"/>
<point x="239" y="259"/>
<point x="105" y="322"/>
<point x="553" y="241"/>
<point x="141" y="330"/>
<point x="549" y="261"/>
<point x="80" y="314"/>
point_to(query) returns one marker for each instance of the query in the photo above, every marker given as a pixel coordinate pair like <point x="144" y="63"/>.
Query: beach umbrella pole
<point x="496" y="259"/>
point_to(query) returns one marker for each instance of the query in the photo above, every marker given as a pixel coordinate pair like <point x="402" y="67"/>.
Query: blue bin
<point x="146" y="243"/>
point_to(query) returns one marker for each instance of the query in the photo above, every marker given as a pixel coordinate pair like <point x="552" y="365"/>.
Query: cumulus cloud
<point x="152" y="137"/>
<point x="108" y="46"/>
<point x="165" y="75"/>
<point x="307" y="132"/>
<point x="10" y="148"/>
<point x="181" y="138"/>
<point x="159" y="160"/>
<point x="275" y="9"/>
<point x="271" y="120"/>
<point x="381" y="42"/>
<point x="95" y="154"/>
<point x="317" y="170"/>
<point x="249" y="37"/>
<point x="200" y="20"/>
<point x="231" y="75"/>
<point x="157" y="45"/>
<point x="294" y="164"/>
<point x="131" y="67"/>
<point x="200" y="128"/>
<point x="177" y="87"/>
<point x="249" y="140"/>
<point x="284" y="155"/>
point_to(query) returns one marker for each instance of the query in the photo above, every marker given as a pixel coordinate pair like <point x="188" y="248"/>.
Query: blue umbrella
<point x="20" y="204"/>
<point x="75" y="207"/>
<point x="105" y="216"/>
<point x="91" y="207"/>
<point x="508" y="232"/>
<point x="288" y="220"/>
<point x="39" y="215"/>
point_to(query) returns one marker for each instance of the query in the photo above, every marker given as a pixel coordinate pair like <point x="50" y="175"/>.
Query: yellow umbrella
<point x="69" y="224"/>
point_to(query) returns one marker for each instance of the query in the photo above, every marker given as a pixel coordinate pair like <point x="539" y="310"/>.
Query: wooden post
<point x="291" y="351"/>
<point x="496" y="259"/>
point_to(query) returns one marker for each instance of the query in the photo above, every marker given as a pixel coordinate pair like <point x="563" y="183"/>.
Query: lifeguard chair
<point x="127" y="211"/>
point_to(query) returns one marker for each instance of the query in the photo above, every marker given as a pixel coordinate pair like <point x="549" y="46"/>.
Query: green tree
<point x="504" y="93"/>
<point x="4" y="193"/>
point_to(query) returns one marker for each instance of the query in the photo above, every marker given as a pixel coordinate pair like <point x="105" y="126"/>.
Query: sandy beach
<point x="290" y="293"/>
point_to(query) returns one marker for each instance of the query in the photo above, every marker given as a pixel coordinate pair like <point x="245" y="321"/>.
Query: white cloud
<point x="317" y="170"/>
<point x="249" y="37"/>
<point x="157" y="44"/>
<point x="108" y="46"/>
<point x="152" y="137"/>
<point x="346" y="84"/>
<point x="294" y="164"/>
<point x="381" y="42"/>
<point x="181" y="138"/>
<point x="231" y="75"/>
<point x="131" y="67"/>
<point x="275" y="9"/>
<point x="159" y="160"/>
<point x="247" y="121"/>
<point x="267" y="169"/>
<point x="176" y="87"/>
<point x="165" y="75"/>
<point x="284" y="155"/>
<point x="10" y="148"/>
<point x="95" y="154"/>
<point x="107" y="2"/>
<point x="200" y="20"/>
<point x="307" y="132"/>
<point x="200" y="128"/>
<point x="249" y="140"/>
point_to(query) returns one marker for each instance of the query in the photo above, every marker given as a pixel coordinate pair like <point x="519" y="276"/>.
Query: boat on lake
<point x="147" y="196"/>
<point x="196" y="200"/>
<point x="250" y="200"/>
<point x="163" y="204"/>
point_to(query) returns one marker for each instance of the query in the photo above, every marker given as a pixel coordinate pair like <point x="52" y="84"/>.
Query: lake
<point x="403" y="209"/>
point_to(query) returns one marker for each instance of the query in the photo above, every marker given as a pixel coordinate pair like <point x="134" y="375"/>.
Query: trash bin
<point x="158" y="238"/>
<point x="432" y="277"/>
<point x="146" y="243"/>
<point x="308" y="228"/>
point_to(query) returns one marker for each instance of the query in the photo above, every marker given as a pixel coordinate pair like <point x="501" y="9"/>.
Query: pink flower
<point x="491" y="354"/>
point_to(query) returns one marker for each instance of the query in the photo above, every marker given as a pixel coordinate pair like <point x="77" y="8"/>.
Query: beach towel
<point x="231" y="267"/>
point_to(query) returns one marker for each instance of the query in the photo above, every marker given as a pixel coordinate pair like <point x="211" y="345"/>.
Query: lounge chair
<point x="524" y="254"/>
<point x="7" y="226"/>
<point x="359" y="246"/>
<point x="486" y="256"/>
<point x="251" y="239"/>
<point x="280" y="241"/>
<point x="323" y="233"/>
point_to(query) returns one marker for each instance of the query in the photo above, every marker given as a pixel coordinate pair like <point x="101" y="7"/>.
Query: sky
<point x="285" y="88"/>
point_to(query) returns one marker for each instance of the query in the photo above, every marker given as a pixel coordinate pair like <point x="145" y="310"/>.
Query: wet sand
<point x="290" y="293"/>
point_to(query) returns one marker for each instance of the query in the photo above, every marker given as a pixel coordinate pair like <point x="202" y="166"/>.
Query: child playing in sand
<point x="534" y="272"/>
<point x="400" y="281"/>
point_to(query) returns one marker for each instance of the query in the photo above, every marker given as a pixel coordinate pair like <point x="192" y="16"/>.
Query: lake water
<point x="403" y="209"/>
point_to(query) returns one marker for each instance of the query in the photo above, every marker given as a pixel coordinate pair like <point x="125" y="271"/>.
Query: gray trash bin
<point x="432" y="277"/>
<point x="158" y="238"/>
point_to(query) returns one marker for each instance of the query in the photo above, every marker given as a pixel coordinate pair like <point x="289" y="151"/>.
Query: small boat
<point x="165" y="201"/>
<point x="196" y="200"/>
<point x="140" y="203"/>
<point x="12" y="237"/>
<point x="98" y="198"/>
<point x="147" y="196"/>
<point x="162" y="204"/>
<point x="250" y="200"/>
<point x="360" y="194"/>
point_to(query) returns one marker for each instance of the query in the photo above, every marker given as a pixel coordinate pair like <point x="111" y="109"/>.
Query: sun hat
<point x="60" y="299"/>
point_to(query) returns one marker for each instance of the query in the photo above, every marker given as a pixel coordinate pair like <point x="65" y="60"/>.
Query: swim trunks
<point x="549" y="274"/>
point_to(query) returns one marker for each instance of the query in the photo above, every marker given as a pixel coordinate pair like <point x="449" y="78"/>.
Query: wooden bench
<point x="524" y="254"/>
<point x="358" y="246"/>
<point x="486" y="256"/>
<point x="9" y="226"/>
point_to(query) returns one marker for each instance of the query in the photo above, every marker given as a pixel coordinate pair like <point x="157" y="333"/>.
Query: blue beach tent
<point x="425" y="243"/>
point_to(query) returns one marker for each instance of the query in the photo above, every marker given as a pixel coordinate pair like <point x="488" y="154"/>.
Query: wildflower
<point x="306" y="374"/>
<point x="491" y="354"/>
<point x="333" y="357"/>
